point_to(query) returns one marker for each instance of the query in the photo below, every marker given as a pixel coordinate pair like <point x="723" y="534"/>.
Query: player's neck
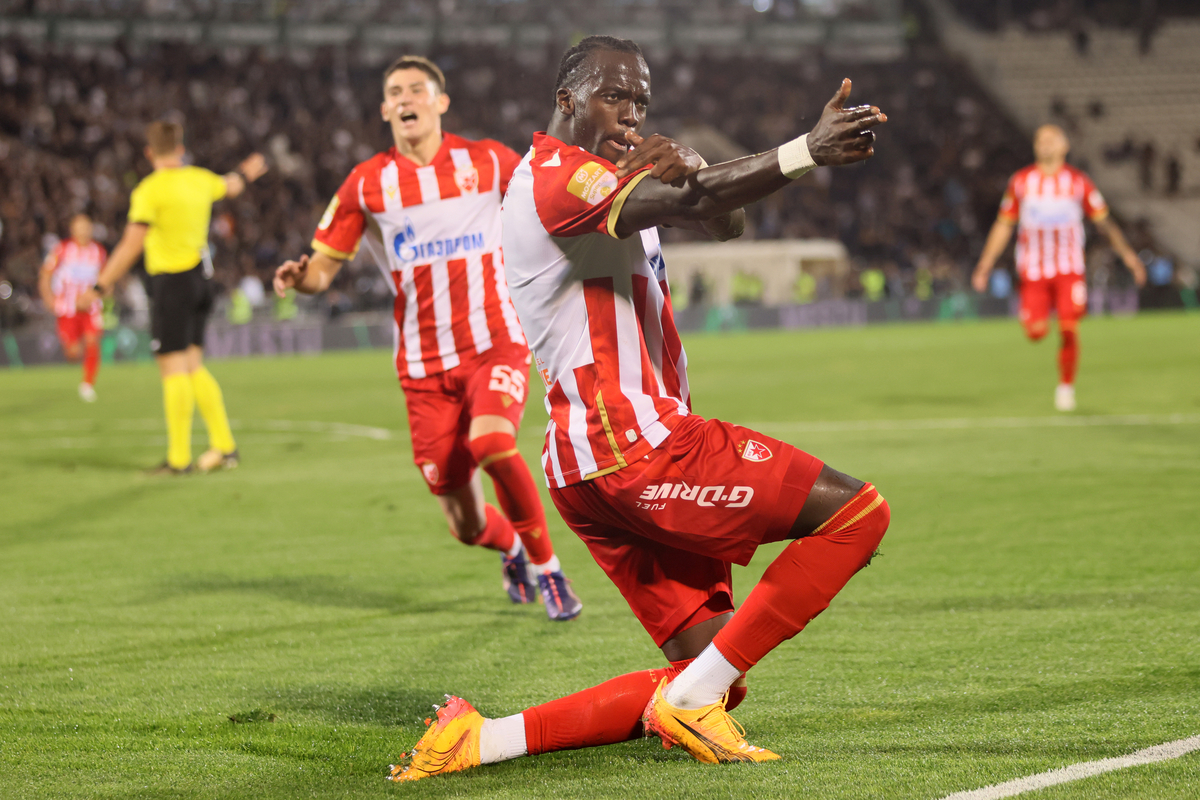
<point x="422" y="151"/>
<point x="1050" y="167"/>
<point x="81" y="242"/>
<point x="167" y="162"/>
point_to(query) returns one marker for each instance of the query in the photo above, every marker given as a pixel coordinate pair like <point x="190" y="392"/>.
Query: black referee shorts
<point x="180" y="303"/>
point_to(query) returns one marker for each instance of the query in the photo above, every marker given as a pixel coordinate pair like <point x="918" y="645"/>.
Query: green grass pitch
<point x="1037" y="603"/>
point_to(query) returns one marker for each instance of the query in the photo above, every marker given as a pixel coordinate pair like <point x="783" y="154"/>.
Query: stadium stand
<point x="72" y="113"/>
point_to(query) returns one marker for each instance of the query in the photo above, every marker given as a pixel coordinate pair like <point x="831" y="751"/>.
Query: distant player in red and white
<point x="666" y="501"/>
<point x="1046" y="202"/>
<point x="71" y="269"/>
<point x="430" y="209"/>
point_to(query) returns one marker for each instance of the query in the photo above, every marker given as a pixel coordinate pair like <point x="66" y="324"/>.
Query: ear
<point x="383" y="111"/>
<point x="149" y="154"/>
<point x="565" y="102"/>
<point x="443" y="102"/>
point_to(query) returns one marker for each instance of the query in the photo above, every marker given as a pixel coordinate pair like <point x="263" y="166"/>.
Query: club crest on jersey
<point x="592" y="183"/>
<point x="467" y="180"/>
<point x="755" y="451"/>
<point x="430" y="471"/>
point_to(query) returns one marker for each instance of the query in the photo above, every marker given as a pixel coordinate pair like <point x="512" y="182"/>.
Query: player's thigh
<point x="498" y="385"/>
<point x="69" y="333"/>
<point x="172" y="309"/>
<point x="712" y="488"/>
<point x="437" y="425"/>
<point x="1070" y="300"/>
<point x="203" y="297"/>
<point x="664" y="586"/>
<point x="1036" y="299"/>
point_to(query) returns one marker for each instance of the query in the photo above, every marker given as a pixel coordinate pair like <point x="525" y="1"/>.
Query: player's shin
<point x="179" y="403"/>
<point x="212" y="408"/>
<point x="1068" y="357"/>
<point x="91" y="362"/>
<point x="796" y="587"/>
<point x="498" y="456"/>
<point x="605" y="714"/>
<point x="497" y="533"/>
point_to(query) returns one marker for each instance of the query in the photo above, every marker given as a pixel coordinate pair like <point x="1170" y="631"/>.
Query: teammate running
<point x="1047" y="202"/>
<point x="71" y="268"/>
<point x="664" y="500"/>
<point x="432" y="204"/>
<point x="169" y="212"/>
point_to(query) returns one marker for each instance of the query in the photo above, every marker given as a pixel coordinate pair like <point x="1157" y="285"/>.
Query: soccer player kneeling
<point x="664" y="500"/>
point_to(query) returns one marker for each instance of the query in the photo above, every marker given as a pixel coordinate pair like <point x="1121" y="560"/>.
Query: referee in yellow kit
<point x="169" y="213"/>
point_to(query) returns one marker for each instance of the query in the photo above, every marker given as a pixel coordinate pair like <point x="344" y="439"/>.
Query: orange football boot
<point x="709" y="734"/>
<point x="450" y="744"/>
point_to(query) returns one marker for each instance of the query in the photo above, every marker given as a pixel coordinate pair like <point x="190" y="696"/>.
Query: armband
<point x="794" y="158"/>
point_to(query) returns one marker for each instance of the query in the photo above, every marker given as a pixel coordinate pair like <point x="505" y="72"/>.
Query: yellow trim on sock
<point x="494" y="457"/>
<point x="870" y="507"/>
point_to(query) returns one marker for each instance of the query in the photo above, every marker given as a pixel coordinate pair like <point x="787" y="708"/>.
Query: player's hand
<point x="671" y="160"/>
<point x="85" y="299"/>
<point x="253" y="167"/>
<point x="979" y="280"/>
<point x="843" y="135"/>
<point x="1135" y="266"/>
<point x="290" y="275"/>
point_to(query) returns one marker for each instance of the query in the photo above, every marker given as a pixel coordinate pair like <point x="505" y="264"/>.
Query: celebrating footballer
<point x="665" y="500"/>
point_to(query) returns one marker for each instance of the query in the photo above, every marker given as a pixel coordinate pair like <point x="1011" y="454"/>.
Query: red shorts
<point x="441" y="407"/>
<point x="74" y="327"/>
<point x="1065" y="293"/>
<point x="666" y="528"/>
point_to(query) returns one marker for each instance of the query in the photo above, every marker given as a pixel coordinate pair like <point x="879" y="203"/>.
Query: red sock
<point x="497" y="534"/>
<point x="91" y="362"/>
<point x="497" y="455"/>
<point x="800" y="583"/>
<point x="604" y="714"/>
<point x="1068" y="357"/>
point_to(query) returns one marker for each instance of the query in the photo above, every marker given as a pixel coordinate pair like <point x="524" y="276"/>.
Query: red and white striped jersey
<point x="597" y="311"/>
<point x="76" y="268"/>
<point x="435" y="233"/>
<point x="1049" y="211"/>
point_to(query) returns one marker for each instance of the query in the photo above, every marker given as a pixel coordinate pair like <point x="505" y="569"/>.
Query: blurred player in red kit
<point x="1046" y="203"/>
<point x="71" y="269"/>
<point x="666" y="501"/>
<point x="430" y="209"/>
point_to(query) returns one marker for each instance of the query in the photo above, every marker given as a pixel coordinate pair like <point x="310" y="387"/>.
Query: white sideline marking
<point x="1086" y="769"/>
<point x="969" y="423"/>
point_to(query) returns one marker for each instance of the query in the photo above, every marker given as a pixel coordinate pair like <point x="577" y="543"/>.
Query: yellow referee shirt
<point x="176" y="203"/>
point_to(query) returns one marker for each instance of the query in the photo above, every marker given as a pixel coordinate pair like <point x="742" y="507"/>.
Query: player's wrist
<point x="795" y="159"/>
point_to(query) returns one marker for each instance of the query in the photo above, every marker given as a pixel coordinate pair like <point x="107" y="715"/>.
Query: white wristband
<point x="794" y="158"/>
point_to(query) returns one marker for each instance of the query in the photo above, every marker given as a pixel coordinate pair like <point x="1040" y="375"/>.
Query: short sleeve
<point x="217" y="182"/>
<point x="54" y="259"/>
<point x="1010" y="204"/>
<point x="508" y="160"/>
<point x="1093" y="202"/>
<point x="341" y="227"/>
<point x="142" y="208"/>
<point x="580" y="193"/>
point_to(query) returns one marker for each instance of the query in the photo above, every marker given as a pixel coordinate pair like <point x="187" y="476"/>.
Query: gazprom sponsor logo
<point x="408" y="249"/>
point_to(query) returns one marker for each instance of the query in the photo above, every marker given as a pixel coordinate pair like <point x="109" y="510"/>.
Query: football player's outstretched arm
<point x="1112" y="232"/>
<point x="841" y="136"/>
<point x="997" y="240"/>
<point x="308" y="275"/>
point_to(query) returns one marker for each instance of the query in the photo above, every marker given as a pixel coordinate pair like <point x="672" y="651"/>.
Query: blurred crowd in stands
<point x="71" y="127"/>
<point x="1074" y="15"/>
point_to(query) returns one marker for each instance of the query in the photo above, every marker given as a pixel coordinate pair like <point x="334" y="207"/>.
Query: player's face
<point x="613" y="100"/>
<point x="1050" y="144"/>
<point x="81" y="229"/>
<point x="412" y="104"/>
